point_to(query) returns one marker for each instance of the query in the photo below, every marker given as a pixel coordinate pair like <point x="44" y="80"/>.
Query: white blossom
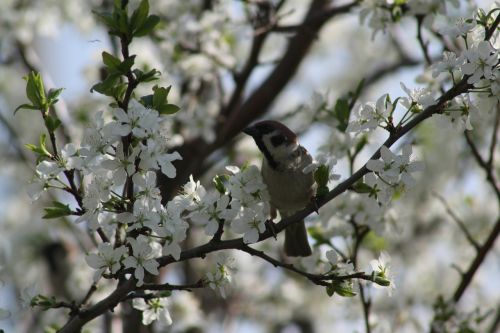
<point x="250" y="222"/>
<point x="172" y="228"/>
<point x="209" y="211"/>
<point x="219" y="279"/>
<point x="460" y="28"/>
<point x="138" y="120"/>
<point x="122" y="166"/>
<point x="148" y="194"/>
<point x="381" y="268"/>
<point x="106" y="258"/>
<point x="371" y="115"/>
<point x="142" y="258"/>
<point x="153" y="309"/>
<point x="481" y="59"/>
<point x="450" y="64"/>
<point x="419" y="97"/>
<point x="247" y="185"/>
<point x="69" y="158"/>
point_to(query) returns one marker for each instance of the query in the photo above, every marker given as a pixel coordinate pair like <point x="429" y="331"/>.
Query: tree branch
<point x="459" y="222"/>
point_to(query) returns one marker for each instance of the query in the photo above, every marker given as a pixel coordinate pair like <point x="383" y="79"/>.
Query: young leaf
<point x="147" y="27"/>
<point x="139" y="15"/>
<point x="53" y="95"/>
<point x="52" y="123"/>
<point x="341" y="112"/>
<point x="110" y="61"/>
<point x="343" y="289"/>
<point x="361" y="187"/>
<point x="219" y="183"/>
<point x="57" y="210"/>
<point x="146" y="77"/>
<point x="35" y="90"/>
<point x="168" y="109"/>
<point x="25" y="106"/>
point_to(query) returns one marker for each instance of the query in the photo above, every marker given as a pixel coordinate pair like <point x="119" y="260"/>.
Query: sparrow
<point x="290" y="189"/>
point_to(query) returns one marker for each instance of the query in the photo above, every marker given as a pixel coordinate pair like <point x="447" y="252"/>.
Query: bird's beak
<point x="251" y="130"/>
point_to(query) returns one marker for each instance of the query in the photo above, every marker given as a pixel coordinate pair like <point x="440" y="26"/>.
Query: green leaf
<point x="35" y="90"/>
<point x="43" y="301"/>
<point x="126" y="65"/>
<point x="165" y="293"/>
<point x="52" y="123"/>
<point x="109" y="87"/>
<point x="148" y="26"/>
<point x="343" y="289"/>
<point x="25" y="106"/>
<point x="53" y="95"/>
<point x="168" y="109"/>
<point x="342" y="112"/>
<point x="139" y="15"/>
<point x="57" y="210"/>
<point x="43" y="148"/>
<point x="329" y="290"/>
<point x="381" y="281"/>
<point x="361" y="187"/>
<point x="147" y="101"/>
<point x="160" y="96"/>
<point x="219" y="183"/>
<point x="148" y="76"/>
<point x="110" y="61"/>
<point x="108" y="20"/>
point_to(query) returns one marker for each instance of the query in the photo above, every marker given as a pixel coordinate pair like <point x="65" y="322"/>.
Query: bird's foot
<point x="271" y="228"/>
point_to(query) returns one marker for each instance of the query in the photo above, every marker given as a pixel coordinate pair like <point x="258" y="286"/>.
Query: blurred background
<point x="197" y="48"/>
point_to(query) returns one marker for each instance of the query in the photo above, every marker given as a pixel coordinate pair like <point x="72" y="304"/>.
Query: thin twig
<point x="495" y="324"/>
<point x="459" y="222"/>
<point x="319" y="279"/>
<point x="483" y="164"/>
<point x="494" y="138"/>
<point x="167" y="286"/>
<point x="420" y="39"/>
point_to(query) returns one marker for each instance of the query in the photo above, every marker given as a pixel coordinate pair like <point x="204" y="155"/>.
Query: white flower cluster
<point x="244" y="201"/>
<point x="381" y="13"/>
<point x="394" y="172"/>
<point x="479" y="62"/>
<point x="148" y="229"/>
<point x="370" y="115"/>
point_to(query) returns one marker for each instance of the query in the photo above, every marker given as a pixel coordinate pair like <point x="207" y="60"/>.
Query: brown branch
<point x="167" y="286"/>
<point x="261" y="99"/>
<point x="319" y="279"/>
<point x="478" y="260"/>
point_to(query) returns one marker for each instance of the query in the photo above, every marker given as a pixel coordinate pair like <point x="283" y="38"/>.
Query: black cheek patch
<point x="277" y="140"/>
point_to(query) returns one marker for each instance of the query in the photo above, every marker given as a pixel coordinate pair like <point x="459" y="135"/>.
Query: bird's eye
<point x="277" y="140"/>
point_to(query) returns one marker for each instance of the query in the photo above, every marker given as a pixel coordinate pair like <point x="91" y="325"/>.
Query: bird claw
<point x="314" y="202"/>
<point x="270" y="227"/>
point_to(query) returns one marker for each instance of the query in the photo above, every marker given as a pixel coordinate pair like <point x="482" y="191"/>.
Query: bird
<point x="290" y="189"/>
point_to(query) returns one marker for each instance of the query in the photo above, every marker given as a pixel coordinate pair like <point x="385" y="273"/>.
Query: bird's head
<point x="276" y="141"/>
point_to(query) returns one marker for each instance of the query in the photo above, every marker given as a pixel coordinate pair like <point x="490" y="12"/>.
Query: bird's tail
<point x="296" y="242"/>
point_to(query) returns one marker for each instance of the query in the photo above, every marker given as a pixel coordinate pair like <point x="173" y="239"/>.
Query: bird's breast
<point x="290" y="189"/>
